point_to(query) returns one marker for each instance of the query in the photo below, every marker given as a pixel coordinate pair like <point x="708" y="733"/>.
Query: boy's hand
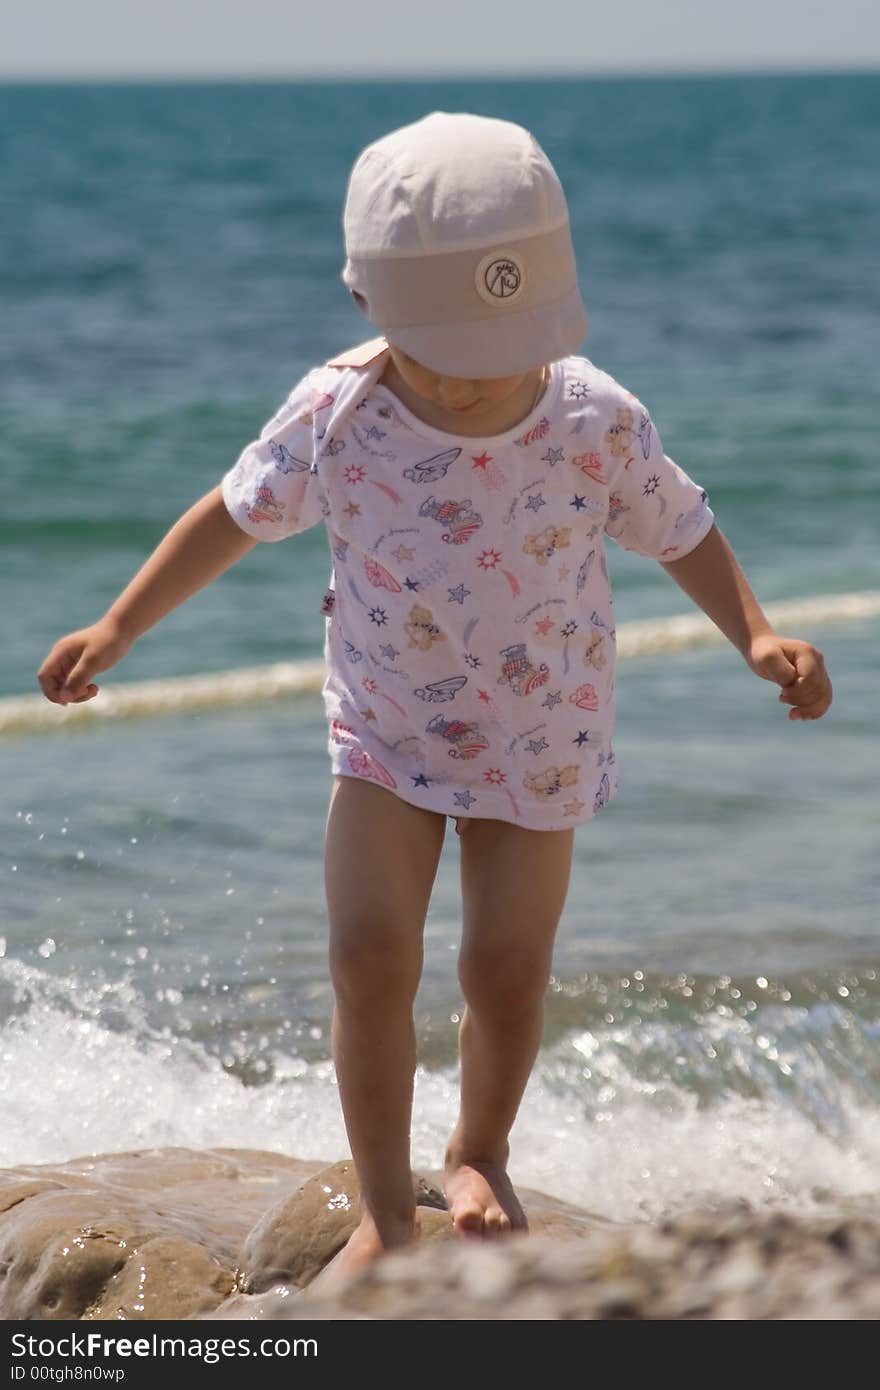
<point x="798" y="667"/>
<point x="65" y="675"/>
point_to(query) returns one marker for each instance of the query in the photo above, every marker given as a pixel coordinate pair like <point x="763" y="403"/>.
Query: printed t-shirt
<point x="469" y="630"/>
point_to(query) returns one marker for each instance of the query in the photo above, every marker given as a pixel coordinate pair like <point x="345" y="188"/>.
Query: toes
<point x="468" y="1219"/>
<point x="496" y="1222"/>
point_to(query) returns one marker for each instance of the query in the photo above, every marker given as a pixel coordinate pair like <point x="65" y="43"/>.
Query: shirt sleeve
<point x="654" y="508"/>
<point x="274" y="490"/>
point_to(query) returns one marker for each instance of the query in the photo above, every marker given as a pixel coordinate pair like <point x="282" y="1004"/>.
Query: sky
<point x="140" y="39"/>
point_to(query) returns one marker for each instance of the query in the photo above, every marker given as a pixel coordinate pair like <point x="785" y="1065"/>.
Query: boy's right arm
<point x="203" y="543"/>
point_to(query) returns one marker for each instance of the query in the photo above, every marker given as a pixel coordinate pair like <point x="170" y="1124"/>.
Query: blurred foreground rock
<point x="241" y="1233"/>
<point x="714" y="1265"/>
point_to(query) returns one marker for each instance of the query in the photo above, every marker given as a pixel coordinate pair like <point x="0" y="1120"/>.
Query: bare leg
<point x="514" y="885"/>
<point x="381" y="857"/>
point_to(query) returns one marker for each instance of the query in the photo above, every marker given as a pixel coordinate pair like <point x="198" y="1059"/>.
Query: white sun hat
<point x="459" y="247"/>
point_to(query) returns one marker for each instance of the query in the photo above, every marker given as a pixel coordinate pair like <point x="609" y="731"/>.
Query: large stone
<point x="147" y="1234"/>
<point x="164" y="1278"/>
<point x="301" y="1234"/>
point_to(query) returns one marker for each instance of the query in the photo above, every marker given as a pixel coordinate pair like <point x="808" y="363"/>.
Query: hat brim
<point x="495" y="348"/>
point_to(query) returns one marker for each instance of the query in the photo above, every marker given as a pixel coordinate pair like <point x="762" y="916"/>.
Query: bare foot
<point x="481" y="1198"/>
<point x="363" y="1246"/>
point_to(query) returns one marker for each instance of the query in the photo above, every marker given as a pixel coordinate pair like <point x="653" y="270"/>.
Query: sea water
<point x="169" y="267"/>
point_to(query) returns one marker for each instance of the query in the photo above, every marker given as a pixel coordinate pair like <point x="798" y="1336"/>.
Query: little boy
<point x="469" y="633"/>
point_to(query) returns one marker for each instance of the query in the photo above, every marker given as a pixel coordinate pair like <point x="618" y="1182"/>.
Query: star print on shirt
<point x="420" y="781"/>
<point x="582" y="738"/>
<point x="552" y="699"/>
<point x="651" y="485"/>
<point x="488" y="559"/>
<point x="578" y="503"/>
<point x="553" y="456"/>
<point x="578" y="390"/>
<point x="412" y="584"/>
<point x="573" y="808"/>
<point x="459" y="594"/>
<point x="471" y="660"/>
<point x="570" y="627"/>
<point x="535" y="502"/>
<point x="464" y="799"/>
<point x="378" y="616"/>
<point x="481" y="460"/>
<point x="537" y="745"/>
<point x="352" y="509"/>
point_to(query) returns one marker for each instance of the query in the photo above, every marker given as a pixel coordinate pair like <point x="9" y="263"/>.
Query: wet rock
<point x="58" y="1250"/>
<point x="298" y="1237"/>
<point x="84" y="1239"/>
<point x="164" y="1278"/>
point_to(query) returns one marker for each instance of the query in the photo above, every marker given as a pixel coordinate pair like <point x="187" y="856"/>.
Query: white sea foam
<point x="254" y="684"/>
<point x="72" y="1085"/>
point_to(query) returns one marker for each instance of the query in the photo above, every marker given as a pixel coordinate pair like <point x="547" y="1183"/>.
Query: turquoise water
<point x="169" y="266"/>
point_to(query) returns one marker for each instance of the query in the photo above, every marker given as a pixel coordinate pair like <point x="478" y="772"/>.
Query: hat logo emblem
<point x="502" y="279"/>
<point x="499" y="277"/>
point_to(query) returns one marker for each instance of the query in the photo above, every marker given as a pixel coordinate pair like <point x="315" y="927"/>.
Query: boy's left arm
<point x="711" y="576"/>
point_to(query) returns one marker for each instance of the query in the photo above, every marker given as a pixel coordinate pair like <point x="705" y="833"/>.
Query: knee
<point x="500" y="987"/>
<point x="371" y="965"/>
